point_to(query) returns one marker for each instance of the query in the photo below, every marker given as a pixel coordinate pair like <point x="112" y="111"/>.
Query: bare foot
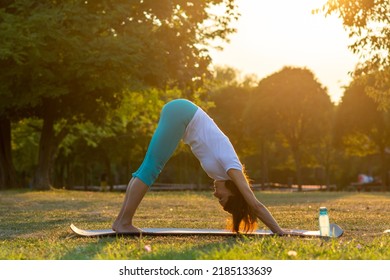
<point x="117" y="227"/>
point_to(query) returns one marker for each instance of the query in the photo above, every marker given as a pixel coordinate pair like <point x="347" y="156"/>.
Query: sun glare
<point x="278" y="33"/>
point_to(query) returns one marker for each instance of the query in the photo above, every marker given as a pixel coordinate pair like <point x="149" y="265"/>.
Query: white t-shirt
<point x="211" y="146"/>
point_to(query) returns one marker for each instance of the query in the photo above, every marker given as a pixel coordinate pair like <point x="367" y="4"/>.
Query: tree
<point x="69" y="61"/>
<point x="228" y="112"/>
<point x="7" y="169"/>
<point x="361" y="129"/>
<point x="260" y="130"/>
<point x="368" y="23"/>
<point x="294" y="105"/>
<point x="9" y="51"/>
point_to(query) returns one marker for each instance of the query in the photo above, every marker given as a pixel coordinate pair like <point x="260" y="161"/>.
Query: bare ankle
<point x="128" y="229"/>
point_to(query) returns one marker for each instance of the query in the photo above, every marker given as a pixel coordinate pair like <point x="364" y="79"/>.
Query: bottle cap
<point x="323" y="211"/>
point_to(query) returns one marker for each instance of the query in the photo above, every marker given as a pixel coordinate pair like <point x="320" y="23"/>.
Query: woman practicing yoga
<point x="182" y="119"/>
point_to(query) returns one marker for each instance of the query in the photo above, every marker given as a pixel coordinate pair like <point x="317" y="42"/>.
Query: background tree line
<point x="86" y="80"/>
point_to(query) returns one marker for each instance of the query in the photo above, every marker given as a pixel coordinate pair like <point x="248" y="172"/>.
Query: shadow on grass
<point x="25" y="213"/>
<point x="133" y="248"/>
<point x="87" y="251"/>
<point x="21" y="229"/>
<point x="193" y="252"/>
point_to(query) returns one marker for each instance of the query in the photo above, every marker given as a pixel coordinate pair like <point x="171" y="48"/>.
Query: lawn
<point x="35" y="225"/>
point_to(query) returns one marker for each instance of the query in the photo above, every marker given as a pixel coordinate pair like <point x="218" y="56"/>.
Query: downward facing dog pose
<point x="182" y="119"/>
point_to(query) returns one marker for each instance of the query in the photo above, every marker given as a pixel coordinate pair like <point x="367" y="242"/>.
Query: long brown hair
<point x="243" y="216"/>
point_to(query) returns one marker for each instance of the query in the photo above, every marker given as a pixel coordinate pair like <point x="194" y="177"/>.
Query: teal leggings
<point x="174" y="118"/>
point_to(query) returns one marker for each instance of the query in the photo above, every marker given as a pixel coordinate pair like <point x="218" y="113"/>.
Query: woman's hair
<point x="243" y="216"/>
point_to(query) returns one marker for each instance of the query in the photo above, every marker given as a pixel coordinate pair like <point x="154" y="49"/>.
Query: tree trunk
<point x="107" y="167"/>
<point x="41" y="179"/>
<point x="264" y="164"/>
<point x="59" y="175"/>
<point x="7" y="169"/>
<point x="384" y="174"/>
<point x="327" y="176"/>
<point x="69" y="181"/>
<point x="298" y="167"/>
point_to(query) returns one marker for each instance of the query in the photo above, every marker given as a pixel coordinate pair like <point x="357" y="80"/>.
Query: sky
<point x="278" y="33"/>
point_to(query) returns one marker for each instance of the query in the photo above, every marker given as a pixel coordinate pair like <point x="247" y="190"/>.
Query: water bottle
<point x="324" y="222"/>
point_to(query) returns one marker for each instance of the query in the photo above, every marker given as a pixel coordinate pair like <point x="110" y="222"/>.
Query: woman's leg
<point x="115" y="224"/>
<point x="174" y="119"/>
<point x="135" y="192"/>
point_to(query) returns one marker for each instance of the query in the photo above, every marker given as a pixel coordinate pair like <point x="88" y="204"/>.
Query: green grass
<point x="35" y="225"/>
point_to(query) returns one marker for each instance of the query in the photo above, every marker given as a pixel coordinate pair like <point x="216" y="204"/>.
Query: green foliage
<point x="379" y="88"/>
<point x="86" y="80"/>
<point x="358" y="115"/>
<point x="228" y="112"/>
<point x="293" y="96"/>
<point x="360" y="127"/>
<point x="25" y="135"/>
<point x="290" y="104"/>
<point x="69" y="62"/>
<point x="255" y="120"/>
<point x="368" y="24"/>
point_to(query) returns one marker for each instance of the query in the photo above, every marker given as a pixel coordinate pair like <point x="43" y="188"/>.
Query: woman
<point x="182" y="119"/>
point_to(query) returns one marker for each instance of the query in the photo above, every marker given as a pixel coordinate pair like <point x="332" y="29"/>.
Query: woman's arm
<point x="261" y="211"/>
